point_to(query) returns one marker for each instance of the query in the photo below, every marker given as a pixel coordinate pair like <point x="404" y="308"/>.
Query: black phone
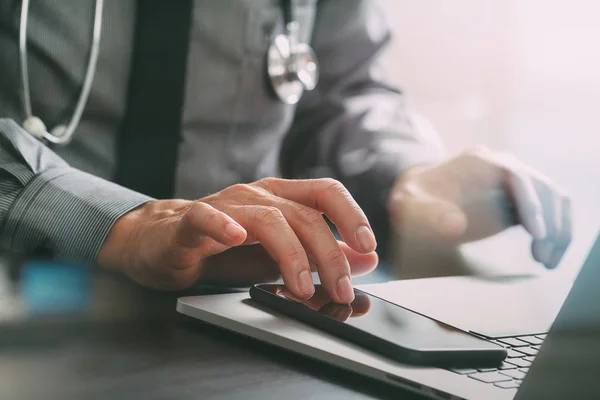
<point x="385" y="328"/>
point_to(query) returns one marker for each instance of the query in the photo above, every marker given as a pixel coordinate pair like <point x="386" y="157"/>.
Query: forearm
<point x="367" y="159"/>
<point x="50" y="207"/>
<point x="356" y="126"/>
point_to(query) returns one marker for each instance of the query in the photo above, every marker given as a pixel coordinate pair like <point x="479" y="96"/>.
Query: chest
<point x="226" y="75"/>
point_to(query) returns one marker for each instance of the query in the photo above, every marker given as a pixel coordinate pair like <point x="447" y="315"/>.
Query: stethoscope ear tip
<point x="35" y="127"/>
<point x="59" y="131"/>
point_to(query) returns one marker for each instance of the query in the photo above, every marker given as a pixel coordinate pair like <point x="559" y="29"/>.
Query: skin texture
<point x="479" y="194"/>
<point x="171" y="244"/>
<point x="275" y="228"/>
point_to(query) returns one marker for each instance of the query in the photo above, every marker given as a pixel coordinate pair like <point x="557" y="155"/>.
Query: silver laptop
<point x="563" y="363"/>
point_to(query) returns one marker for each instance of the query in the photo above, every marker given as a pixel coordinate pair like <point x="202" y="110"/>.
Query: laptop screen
<point x="568" y="363"/>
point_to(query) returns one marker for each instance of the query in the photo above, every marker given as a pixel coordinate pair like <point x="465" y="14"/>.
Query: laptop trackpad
<point x="494" y="307"/>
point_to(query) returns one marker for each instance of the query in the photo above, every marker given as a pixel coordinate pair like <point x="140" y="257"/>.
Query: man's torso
<point x="232" y="124"/>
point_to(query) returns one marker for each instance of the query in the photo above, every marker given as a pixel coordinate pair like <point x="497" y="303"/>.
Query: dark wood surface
<point x="124" y="342"/>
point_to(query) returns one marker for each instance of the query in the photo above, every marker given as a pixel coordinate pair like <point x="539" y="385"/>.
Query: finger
<point x="319" y="299"/>
<point x="340" y="312"/>
<point x="563" y="236"/>
<point x="322" y="249"/>
<point x="333" y="199"/>
<point x="527" y="203"/>
<point x="543" y="248"/>
<point x="360" y="263"/>
<point x="279" y="240"/>
<point x="361" y="304"/>
<point x="203" y="221"/>
<point x="320" y="302"/>
<point x="241" y="266"/>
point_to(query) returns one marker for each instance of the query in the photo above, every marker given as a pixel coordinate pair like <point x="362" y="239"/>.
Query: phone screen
<point x="388" y="321"/>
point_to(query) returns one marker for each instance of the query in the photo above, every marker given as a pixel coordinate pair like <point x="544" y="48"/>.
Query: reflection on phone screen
<point x="386" y="320"/>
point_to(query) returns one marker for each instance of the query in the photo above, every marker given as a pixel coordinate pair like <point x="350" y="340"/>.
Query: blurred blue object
<point x="49" y="287"/>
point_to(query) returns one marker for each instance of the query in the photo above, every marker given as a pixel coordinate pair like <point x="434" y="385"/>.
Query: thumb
<point x="431" y="217"/>
<point x="451" y="221"/>
<point x="202" y="221"/>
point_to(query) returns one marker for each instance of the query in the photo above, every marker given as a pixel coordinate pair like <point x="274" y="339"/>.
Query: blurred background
<point x="520" y="76"/>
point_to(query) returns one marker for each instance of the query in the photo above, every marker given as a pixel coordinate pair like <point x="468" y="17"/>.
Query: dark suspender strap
<point x="148" y="143"/>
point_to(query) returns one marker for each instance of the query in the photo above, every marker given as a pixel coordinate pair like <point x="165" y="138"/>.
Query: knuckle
<point x="208" y="217"/>
<point x="201" y="216"/>
<point x="310" y="217"/>
<point x="333" y="184"/>
<point x="269" y="215"/>
<point x="254" y="192"/>
<point x="198" y="207"/>
<point x="269" y="181"/>
<point x="240" y="188"/>
<point x="336" y="189"/>
<point x="195" y="213"/>
<point x="296" y="254"/>
<point x="336" y="257"/>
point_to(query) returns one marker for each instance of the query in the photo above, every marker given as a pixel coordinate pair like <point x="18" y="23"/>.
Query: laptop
<point x="558" y="359"/>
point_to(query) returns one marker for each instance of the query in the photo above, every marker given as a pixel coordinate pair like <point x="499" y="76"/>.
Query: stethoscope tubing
<point x="68" y="131"/>
<point x="288" y="86"/>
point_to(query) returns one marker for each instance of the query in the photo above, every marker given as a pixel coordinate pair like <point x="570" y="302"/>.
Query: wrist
<point x="114" y="251"/>
<point x="122" y="246"/>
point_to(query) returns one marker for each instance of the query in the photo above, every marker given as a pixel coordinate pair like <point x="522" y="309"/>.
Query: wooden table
<point x="76" y="333"/>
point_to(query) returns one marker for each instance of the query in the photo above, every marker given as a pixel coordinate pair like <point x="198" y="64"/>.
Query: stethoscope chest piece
<point x="292" y="68"/>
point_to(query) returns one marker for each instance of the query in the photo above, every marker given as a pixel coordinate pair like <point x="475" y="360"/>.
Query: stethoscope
<point x="60" y="134"/>
<point x="292" y="68"/>
<point x="291" y="64"/>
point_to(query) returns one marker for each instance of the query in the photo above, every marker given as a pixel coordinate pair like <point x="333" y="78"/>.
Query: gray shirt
<point x="355" y="126"/>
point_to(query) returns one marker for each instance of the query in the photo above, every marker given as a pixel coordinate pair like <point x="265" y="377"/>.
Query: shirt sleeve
<point x="355" y="126"/>
<point x="46" y="206"/>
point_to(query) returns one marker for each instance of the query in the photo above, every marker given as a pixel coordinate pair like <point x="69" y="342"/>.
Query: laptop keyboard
<point x="521" y="353"/>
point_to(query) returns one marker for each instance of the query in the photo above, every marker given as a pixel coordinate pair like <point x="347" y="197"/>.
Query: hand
<point x="170" y="244"/>
<point x="479" y="194"/>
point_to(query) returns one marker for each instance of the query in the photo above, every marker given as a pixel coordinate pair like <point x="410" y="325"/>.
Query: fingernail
<point x="452" y="224"/>
<point x="305" y="283"/>
<point x="234" y="230"/>
<point x="344" y="290"/>
<point x="366" y="239"/>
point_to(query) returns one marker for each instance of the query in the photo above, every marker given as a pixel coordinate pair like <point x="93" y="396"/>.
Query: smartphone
<point x="385" y="328"/>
